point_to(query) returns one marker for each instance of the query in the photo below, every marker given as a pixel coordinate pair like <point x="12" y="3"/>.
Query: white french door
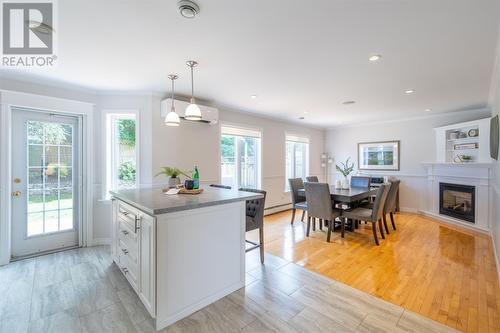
<point x="45" y="182"/>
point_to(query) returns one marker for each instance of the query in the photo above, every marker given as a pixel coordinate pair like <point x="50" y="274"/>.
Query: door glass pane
<point x="299" y="161"/>
<point x="50" y="177"/>
<point x="228" y="162"/>
<point x="248" y="162"/>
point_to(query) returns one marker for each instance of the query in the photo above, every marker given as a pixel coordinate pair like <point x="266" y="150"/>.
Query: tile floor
<point x="83" y="291"/>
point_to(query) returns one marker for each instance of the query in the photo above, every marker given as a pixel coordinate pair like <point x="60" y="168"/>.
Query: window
<point x="121" y="152"/>
<point x="297" y="158"/>
<point x="240" y="157"/>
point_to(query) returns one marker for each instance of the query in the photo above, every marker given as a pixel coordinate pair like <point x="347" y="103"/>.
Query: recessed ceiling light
<point x="253" y="96"/>
<point x="348" y="102"/>
<point x="409" y="91"/>
<point x="375" y="58"/>
<point x="428" y="110"/>
<point x="302" y="118"/>
<point x="306" y="112"/>
<point x="188" y="9"/>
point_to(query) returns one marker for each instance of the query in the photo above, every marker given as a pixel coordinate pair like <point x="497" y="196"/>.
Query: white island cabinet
<point x="180" y="253"/>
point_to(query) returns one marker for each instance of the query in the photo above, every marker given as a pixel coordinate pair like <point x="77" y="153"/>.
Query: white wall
<point x="417" y="146"/>
<point x="495" y="221"/>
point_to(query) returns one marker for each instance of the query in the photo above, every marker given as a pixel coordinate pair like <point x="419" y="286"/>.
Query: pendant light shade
<point x="193" y="111"/>
<point x="172" y="118"/>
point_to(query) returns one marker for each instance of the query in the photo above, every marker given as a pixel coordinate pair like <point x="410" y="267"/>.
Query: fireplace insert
<point x="458" y="201"/>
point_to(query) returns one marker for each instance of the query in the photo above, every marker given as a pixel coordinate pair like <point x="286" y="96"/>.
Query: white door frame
<point x="85" y="110"/>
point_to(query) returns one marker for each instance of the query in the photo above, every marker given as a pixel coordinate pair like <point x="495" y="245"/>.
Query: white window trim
<point x="248" y="129"/>
<point x="106" y="150"/>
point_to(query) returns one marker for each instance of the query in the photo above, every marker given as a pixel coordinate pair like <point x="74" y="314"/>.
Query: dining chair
<point x="371" y="215"/>
<point x="298" y="200"/>
<point x="390" y="204"/>
<point x="319" y="205"/>
<point x="360" y="181"/>
<point x="255" y="219"/>
<point x="220" y="186"/>
<point x="312" y="179"/>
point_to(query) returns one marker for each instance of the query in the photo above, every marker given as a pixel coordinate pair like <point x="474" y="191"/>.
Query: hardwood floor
<point x="442" y="272"/>
<point x="83" y="291"/>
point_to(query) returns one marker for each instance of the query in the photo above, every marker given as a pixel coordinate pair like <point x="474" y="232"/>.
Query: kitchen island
<point x="180" y="252"/>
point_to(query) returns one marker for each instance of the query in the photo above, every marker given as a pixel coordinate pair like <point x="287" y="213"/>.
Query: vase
<point x="345" y="183"/>
<point x="173" y="182"/>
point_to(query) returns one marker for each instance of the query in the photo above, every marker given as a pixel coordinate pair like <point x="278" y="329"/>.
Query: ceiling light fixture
<point x="428" y="110"/>
<point x="349" y="102"/>
<point x="172" y="118"/>
<point x="302" y="118"/>
<point x="409" y="91"/>
<point x="375" y="58"/>
<point x="253" y="96"/>
<point x="188" y="9"/>
<point x="193" y="111"/>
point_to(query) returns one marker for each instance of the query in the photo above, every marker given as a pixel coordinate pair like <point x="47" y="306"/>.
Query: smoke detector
<point x="188" y="9"/>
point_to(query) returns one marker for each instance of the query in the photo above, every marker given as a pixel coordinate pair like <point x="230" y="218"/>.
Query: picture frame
<point x="379" y="155"/>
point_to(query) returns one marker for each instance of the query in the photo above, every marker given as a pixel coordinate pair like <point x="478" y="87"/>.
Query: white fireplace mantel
<point x="478" y="175"/>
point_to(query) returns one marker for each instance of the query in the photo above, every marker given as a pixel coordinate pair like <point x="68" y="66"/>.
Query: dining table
<point x="350" y="196"/>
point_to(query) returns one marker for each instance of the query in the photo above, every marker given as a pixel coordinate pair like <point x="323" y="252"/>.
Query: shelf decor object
<point x="494" y="137"/>
<point x="382" y="155"/>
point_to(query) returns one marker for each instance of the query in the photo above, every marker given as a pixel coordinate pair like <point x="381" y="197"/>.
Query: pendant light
<point x="172" y="118"/>
<point x="193" y="111"/>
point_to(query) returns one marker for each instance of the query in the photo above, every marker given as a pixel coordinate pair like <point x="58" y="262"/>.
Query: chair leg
<point x="374" y="230"/>
<point x="385" y="224"/>
<point x="314" y="223"/>
<point x="303" y="214"/>
<point x="261" y="241"/>
<point x="308" y="228"/>
<point x="342" y="227"/>
<point x="392" y="220"/>
<point x="329" y="232"/>
<point x="381" y="229"/>
<point x="320" y="224"/>
<point x="293" y="215"/>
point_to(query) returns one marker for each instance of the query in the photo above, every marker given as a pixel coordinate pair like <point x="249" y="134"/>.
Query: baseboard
<point x="454" y="222"/>
<point x="277" y="209"/>
<point x="408" y="210"/>
<point x="497" y="261"/>
<point x="101" y="241"/>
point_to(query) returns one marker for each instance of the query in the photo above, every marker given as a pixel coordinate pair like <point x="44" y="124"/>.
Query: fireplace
<point x="458" y="201"/>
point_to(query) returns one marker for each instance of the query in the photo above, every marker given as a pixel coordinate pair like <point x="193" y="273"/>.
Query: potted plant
<point x="345" y="169"/>
<point x="174" y="174"/>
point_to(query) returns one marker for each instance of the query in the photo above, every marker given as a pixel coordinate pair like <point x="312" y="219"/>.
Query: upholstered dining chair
<point x="319" y="205"/>
<point x="298" y="200"/>
<point x="390" y="204"/>
<point x="373" y="215"/>
<point x="312" y="179"/>
<point x="255" y="219"/>
<point x="220" y="186"/>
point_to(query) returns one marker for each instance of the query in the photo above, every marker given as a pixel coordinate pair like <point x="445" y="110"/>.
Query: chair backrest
<point x="390" y="202"/>
<point x="220" y="186"/>
<point x="312" y="179"/>
<point x="295" y="185"/>
<point x="255" y="208"/>
<point x="360" y="181"/>
<point x="378" y="205"/>
<point x="319" y="202"/>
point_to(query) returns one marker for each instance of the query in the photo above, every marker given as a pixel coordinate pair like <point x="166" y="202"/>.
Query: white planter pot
<point x="173" y="182"/>
<point x="345" y="184"/>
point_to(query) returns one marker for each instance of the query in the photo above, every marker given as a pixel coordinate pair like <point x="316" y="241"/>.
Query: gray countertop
<point x="155" y="202"/>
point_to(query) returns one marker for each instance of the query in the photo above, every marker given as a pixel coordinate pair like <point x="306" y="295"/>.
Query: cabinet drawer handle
<point x="125" y="232"/>
<point x="125" y="270"/>
<point x="125" y="251"/>
<point x="137" y="227"/>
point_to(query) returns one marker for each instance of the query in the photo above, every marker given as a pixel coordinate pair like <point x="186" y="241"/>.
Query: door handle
<point x="16" y="194"/>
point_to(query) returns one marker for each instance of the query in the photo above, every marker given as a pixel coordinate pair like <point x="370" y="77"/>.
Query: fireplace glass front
<point x="457" y="201"/>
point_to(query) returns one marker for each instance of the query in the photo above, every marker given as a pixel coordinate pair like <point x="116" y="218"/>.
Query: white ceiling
<point x="297" y="56"/>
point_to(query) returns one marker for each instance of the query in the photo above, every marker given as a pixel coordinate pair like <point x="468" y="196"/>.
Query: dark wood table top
<point x="350" y="195"/>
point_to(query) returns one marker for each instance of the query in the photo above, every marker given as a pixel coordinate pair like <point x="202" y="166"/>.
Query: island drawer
<point x="130" y="251"/>
<point x="129" y="269"/>
<point x="129" y="215"/>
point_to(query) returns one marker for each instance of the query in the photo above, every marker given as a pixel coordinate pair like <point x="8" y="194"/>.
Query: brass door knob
<point x="16" y="194"/>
